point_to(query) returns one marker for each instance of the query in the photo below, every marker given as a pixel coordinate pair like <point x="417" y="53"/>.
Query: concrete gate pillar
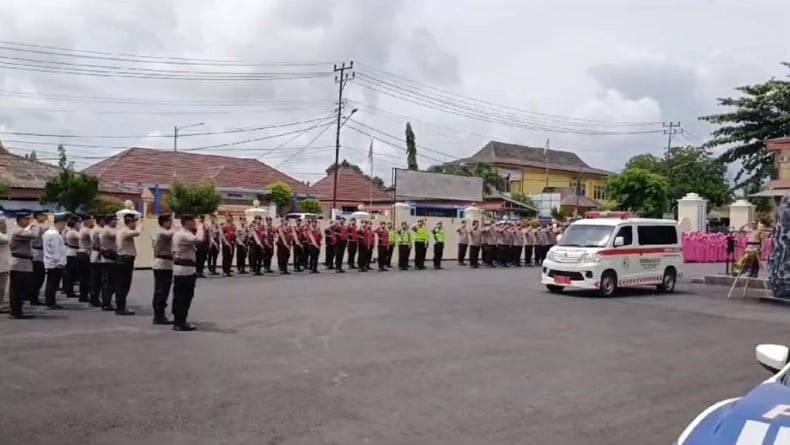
<point x="400" y="212"/>
<point x="692" y="213"/>
<point x="741" y="213"/>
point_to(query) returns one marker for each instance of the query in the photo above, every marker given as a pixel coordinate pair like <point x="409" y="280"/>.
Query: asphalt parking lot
<point x="451" y="357"/>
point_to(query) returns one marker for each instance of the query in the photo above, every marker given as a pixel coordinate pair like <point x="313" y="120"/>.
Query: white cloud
<point x="609" y="60"/>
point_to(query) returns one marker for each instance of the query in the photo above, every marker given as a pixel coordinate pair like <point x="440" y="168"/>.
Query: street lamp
<point x="337" y="154"/>
<point x="175" y="133"/>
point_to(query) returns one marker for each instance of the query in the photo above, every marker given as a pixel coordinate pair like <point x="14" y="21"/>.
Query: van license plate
<point x="562" y="280"/>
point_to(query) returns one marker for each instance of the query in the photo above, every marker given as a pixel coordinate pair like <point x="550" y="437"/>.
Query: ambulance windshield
<point x="586" y="236"/>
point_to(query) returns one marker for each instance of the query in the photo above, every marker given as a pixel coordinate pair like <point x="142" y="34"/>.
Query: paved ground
<point x="454" y="357"/>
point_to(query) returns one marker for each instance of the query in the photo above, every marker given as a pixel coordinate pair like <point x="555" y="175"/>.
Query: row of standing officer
<point x="504" y="243"/>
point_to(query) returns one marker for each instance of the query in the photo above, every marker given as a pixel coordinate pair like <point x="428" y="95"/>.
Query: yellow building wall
<point x="534" y="181"/>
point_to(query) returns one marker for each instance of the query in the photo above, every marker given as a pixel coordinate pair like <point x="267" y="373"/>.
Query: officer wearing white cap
<point x="55" y="259"/>
<point x="21" y="265"/>
<point x="163" y="267"/>
<point x="127" y="252"/>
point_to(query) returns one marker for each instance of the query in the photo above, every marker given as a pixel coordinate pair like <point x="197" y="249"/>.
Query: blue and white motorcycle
<point x="761" y="417"/>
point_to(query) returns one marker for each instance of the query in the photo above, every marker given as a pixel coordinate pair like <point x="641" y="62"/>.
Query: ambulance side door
<point x="625" y="266"/>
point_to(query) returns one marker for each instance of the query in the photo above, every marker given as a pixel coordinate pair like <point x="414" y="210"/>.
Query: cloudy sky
<point x="597" y="78"/>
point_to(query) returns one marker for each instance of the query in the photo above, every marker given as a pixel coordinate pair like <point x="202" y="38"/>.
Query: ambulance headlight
<point x="590" y="258"/>
<point x="551" y="255"/>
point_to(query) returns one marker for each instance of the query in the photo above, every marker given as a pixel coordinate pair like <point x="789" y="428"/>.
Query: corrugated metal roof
<point x="501" y="153"/>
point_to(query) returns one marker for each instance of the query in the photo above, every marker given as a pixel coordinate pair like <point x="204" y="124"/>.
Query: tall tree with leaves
<point x="33" y="156"/>
<point x="281" y="195"/>
<point x="688" y="170"/>
<point x="63" y="161"/>
<point x="640" y="191"/>
<point x="193" y="199"/>
<point x="761" y="112"/>
<point x="411" y="148"/>
<point x="71" y="190"/>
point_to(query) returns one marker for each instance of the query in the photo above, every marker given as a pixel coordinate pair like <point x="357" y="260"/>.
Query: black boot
<point x="184" y="326"/>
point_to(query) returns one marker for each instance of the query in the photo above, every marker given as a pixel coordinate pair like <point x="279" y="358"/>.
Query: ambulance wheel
<point x="608" y="284"/>
<point x="667" y="285"/>
<point x="554" y="289"/>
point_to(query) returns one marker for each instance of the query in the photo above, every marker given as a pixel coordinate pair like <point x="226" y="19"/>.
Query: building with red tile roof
<point x="239" y="180"/>
<point x="353" y="189"/>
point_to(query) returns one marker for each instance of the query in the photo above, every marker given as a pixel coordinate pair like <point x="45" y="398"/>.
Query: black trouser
<point x="109" y="283"/>
<point x="51" y="288"/>
<point x="363" y="261"/>
<point x="304" y="257"/>
<point x="515" y="256"/>
<point x="256" y="259"/>
<point x="438" y="252"/>
<point x="227" y="259"/>
<point x="340" y="250"/>
<point x="84" y="275"/>
<point x="420" y="250"/>
<point x="211" y="259"/>
<point x="404" y="250"/>
<point x="241" y="259"/>
<point x="329" y="256"/>
<point x="383" y="256"/>
<point x="314" y="252"/>
<point x="528" y="249"/>
<point x="183" y="293"/>
<point x="268" y="254"/>
<point x="487" y="259"/>
<point x="474" y="255"/>
<point x="540" y="254"/>
<point x="352" y="253"/>
<point x="69" y="274"/>
<point x="298" y="251"/>
<point x="95" y="291"/>
<point x="37" y="279"/>
<point x="201" y="255"/>
<point x="163" y="279"/>
<point x="125" y="271"/>
<point x="390" y="252"/>
<point x="462" y="253"/>
<point x="19" y="285"/>
<point x="283" y="255"/>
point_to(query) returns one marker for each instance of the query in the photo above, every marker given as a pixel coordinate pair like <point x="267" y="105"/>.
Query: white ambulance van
<point x="605" y="254"/>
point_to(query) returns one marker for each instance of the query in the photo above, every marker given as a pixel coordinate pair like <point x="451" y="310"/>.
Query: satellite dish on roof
<point x="256" y="211"/>
<point x="127" y="210"/>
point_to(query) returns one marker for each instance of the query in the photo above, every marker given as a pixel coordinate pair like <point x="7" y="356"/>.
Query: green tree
<point x="524" y="199"/>
<point x="558" y="214"/>
<point x="71" y="190"/>
<point x="63" y="161"/>
<point x="761" y="112"/>
<point x="193" y="199"/>
<point x="104" y="205"/>
<point x="640" y="191"/>
<point x="493" y="181"/>
<point x="377" y="181"/>
<point x="310" y="206"/>
<point x="411" y="148"/>
<point x="32" y="156"/>
<point x="281" y="195"/>
<point x="688" y="169"/>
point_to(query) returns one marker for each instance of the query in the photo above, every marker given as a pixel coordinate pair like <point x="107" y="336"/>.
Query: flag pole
<point x="546" y="156"/>
<point x="370" y="155"/>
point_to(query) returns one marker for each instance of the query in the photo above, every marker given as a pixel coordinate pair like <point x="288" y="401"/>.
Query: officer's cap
<point x="20" y="215"/>
<point x="61" y="217"/>
<point x="185" y="218"/>
<point x="129" y="217"/>
<point x="164" y="217"/>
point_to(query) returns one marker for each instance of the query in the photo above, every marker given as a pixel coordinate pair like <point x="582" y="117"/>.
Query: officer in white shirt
<point x="54" y="259"/>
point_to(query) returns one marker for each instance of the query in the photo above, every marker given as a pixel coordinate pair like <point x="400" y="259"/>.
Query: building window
<point x="599" y="193"/>
<point x="580" y="189"/>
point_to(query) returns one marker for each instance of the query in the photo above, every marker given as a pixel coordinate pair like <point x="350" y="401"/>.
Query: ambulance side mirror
<point x="772" y="357"/>
<point x="619" y="241"/>
<point x="559" y="237"/>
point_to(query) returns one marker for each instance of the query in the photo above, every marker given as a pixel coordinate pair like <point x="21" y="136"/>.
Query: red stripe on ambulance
<point x="639" y="251"/>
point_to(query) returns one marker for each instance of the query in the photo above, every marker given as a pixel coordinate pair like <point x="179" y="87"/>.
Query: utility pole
<point x="345" y="73"/>
<point x="175" y="132"/>
<point x="670" y="129"/>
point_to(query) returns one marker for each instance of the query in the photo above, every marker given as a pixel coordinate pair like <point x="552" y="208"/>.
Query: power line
<point x="402" y="140"/>
<point x="155" y="112"/>
<point x="489" y="116"/>
<point x="208" y="133"/>
<point x="40" y="49"/>
<point x="386" y="142"/>
<point x="495" y="105"/>
<point x="320" y="133"/>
